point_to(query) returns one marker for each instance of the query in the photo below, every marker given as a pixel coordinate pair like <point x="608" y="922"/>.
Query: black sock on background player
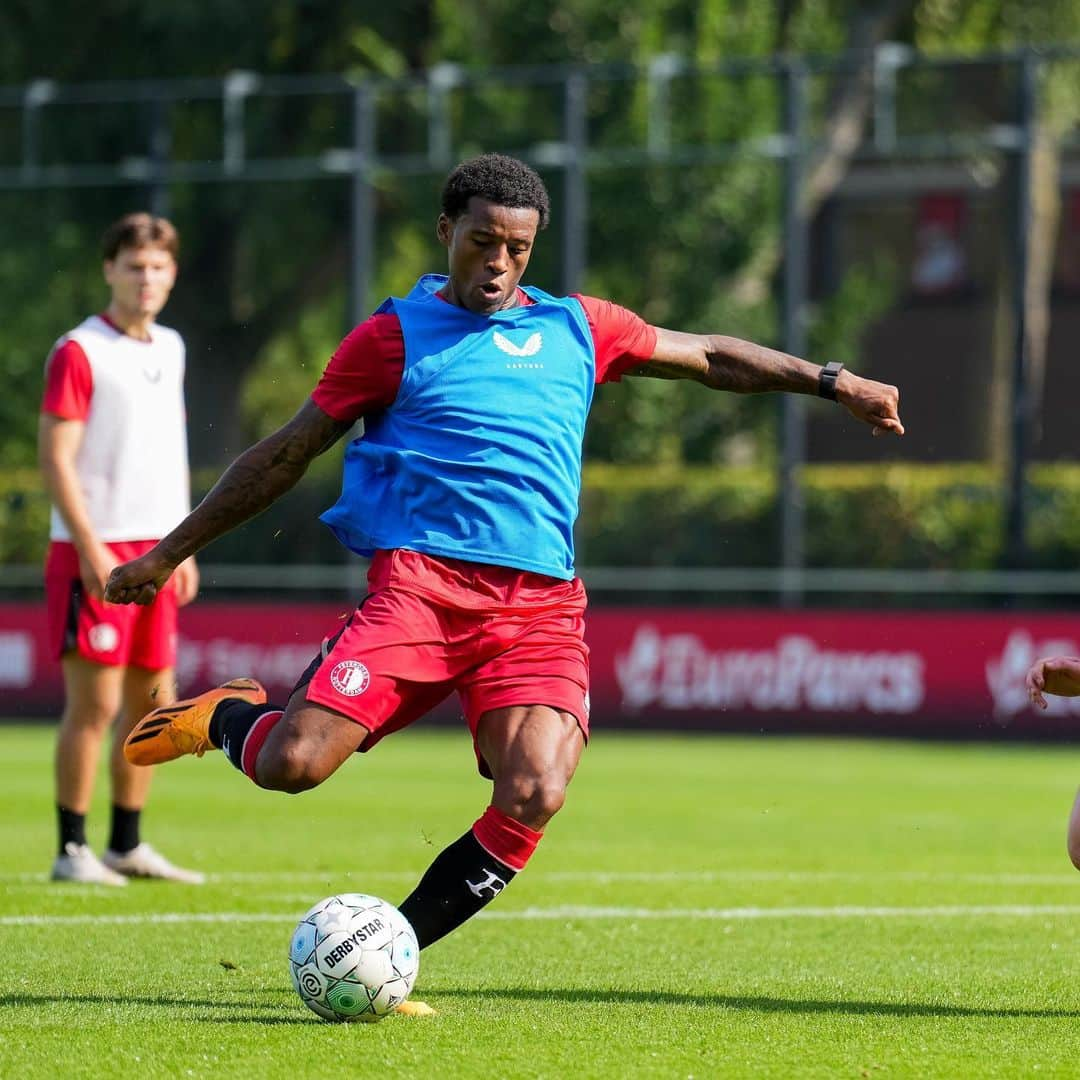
<point x="124" y="829"/>
<point x="72" y="826"/>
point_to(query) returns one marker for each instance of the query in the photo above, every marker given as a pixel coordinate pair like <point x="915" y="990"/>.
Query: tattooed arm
<point x="727" y="363"/>
<point x="257" y="478"/>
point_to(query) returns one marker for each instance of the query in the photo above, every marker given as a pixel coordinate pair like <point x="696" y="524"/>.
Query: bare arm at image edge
<point x="1056" y="675"/>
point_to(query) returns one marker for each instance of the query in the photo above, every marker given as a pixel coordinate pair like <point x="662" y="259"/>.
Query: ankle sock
<point x="468" y="875"/>
<point x="72" y="826"/>
<point x="240" y="729"/>
<point x="508" y="840"/>
<point x="124" y="833"/>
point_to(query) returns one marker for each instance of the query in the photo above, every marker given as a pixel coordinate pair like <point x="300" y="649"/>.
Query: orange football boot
<point x="184" y="728"/>
<point x="414" y="1008"/>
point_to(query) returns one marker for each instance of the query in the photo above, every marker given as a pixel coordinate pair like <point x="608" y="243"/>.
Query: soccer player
<point x="113" y="450"/>
<point x="1060" y="676"/>
<point x="463" y="489"/>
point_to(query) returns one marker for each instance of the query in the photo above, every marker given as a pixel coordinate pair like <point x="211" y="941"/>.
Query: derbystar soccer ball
<point x="353" y="957"/>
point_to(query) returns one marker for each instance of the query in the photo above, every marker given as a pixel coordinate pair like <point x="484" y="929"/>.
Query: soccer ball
<point x="353" y="957"/>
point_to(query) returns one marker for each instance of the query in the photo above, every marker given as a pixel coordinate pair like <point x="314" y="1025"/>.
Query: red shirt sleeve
<point x="622" y="339"/>
<point x="364" y="373"/>
<point x="69" y="383"/>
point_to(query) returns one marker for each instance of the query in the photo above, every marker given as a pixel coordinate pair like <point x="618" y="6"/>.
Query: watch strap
<point x="827" y="379"/>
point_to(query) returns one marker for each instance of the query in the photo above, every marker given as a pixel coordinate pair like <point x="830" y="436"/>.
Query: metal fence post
<point x="237" y="87"/>
<point x="793" y="417"/>
<point x="575" y="186"/>
<point x="889" y="57"/>
<point x="362" y="217"/>
<point x="38" y="93"/>
<point x="441" y="80"/>
<point x="662" y="69"/>
<point x="160" y="152"/>
<point x="1021" y="402"/>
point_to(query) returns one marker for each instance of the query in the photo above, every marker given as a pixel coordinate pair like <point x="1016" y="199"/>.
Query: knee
<point x="94" y="714"/>
<point x="532" y="800"/>
<point x="287" y="768"/>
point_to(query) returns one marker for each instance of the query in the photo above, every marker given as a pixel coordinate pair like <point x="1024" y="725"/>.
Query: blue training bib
<point x="479" y="457"/>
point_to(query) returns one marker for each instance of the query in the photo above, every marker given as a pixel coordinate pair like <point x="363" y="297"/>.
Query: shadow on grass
<point x="221" y="1011"/>
<point x="753" y="1003"/>
<point x="225" y="1011"/>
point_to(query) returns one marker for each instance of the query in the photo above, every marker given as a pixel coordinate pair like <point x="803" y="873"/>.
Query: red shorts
<point x="428" y="627"/>
<point x="115" y="634"/>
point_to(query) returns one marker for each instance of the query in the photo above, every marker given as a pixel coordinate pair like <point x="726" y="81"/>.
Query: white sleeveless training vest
<point x="133" y="461"/>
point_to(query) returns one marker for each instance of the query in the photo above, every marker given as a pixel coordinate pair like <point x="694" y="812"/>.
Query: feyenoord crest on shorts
<point x="350" y="677"/>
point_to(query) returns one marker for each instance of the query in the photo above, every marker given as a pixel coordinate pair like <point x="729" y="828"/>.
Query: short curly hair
<point x="499" y="179"/>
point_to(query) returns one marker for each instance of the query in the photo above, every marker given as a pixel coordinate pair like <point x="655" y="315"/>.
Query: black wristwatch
<point x="826" y="386"/>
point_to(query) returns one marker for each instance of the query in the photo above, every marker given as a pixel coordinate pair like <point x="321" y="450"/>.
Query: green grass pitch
<point x="703" y="907"/>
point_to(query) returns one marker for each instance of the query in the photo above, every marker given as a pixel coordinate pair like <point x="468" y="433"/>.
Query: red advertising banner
<point x="919" y="674"/>
<point x="939" y="674"/>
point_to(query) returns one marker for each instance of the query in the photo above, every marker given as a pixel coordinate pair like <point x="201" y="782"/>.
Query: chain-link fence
<point x="915" y="180"/>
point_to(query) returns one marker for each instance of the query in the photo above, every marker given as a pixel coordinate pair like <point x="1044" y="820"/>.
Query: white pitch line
<point x="577" y="912"/>
<point x="842" y="912"/>
<point x="649" y="876"/>
<point x="602" y="877"/>
<point x="249" y="878"/>
<point x="149" y="917"/>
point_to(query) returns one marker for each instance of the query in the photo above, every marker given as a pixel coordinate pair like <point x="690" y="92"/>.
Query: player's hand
<point x="1058" y="675"/>
<point x="875" y="403"/>
<point x="186" y="582"/>
<point x="95" y="565"/>
<point x="138" y="581"/>
<point x="1035" y="683"/>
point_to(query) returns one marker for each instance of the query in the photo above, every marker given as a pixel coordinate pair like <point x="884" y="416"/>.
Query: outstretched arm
<point x="1059" y="675"/>
<point x="727" y="363"/>
<point x="257" y="478"/>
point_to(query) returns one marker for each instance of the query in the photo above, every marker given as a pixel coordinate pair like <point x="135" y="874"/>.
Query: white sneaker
<point x="144" y="862"/>
<point x="79" y="863"/>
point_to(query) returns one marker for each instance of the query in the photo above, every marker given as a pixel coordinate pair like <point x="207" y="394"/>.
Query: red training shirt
<point x="364" y="373"/>
<point x="69" y="383"/>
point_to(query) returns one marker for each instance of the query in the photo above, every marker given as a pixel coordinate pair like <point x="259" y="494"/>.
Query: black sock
<point x="230" y="724"/>
<point x="124" y="834"/>
<point x="462" y="879"/>
<point x="72" y="827"/>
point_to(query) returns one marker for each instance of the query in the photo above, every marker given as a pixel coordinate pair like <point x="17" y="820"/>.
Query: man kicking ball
<point x="463" y="491"/>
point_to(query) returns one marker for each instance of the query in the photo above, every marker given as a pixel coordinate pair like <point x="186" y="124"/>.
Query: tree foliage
<point x="975" y="26"/>
<point x="262" y="295"/>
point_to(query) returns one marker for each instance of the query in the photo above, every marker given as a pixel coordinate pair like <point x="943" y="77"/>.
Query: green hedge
<point x="904" y="516"/>
<point x="856" y="516"/>
<point x="24" y="517"/>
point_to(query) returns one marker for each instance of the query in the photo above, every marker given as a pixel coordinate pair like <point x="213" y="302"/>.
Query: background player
<point x="1060" y="676"/>
<point x="464" y="487"/>
<point x="113" y="451"/>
